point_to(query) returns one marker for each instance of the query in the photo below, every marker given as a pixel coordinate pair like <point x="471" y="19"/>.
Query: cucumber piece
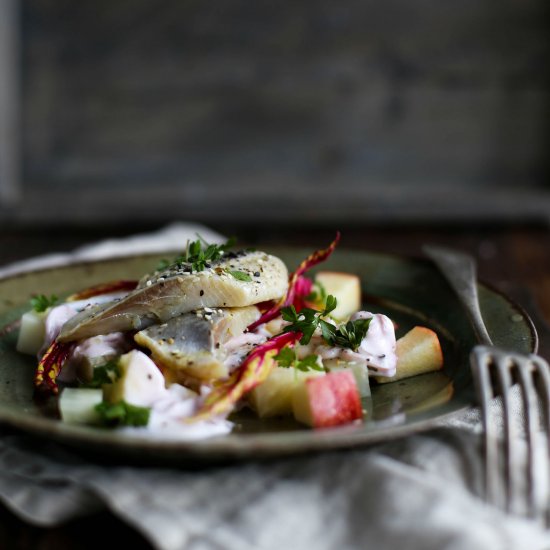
<point x="360" y="372"/>
<point x="31" y="333"/>
<point x="77" y="405"/>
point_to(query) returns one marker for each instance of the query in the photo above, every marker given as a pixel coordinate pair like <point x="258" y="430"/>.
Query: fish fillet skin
<point x="192" y="344"/>
<point x="167" y="293"/>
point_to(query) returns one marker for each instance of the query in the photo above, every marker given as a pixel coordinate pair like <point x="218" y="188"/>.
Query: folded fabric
<point x="420" y="492"/>
<point x="414" y="493"/>
<point x="172" y="237"/>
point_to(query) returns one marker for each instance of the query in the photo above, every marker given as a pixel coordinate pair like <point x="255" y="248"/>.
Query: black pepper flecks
<point x="201" y="293"/>
<point x="256" y="274"/>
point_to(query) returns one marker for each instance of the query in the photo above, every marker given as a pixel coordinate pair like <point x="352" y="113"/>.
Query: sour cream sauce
<point x="168" y="414"/>
<point x="377" y="350"/>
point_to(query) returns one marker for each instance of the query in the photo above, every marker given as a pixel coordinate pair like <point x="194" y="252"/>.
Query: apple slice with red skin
<point x="329" y="400"/>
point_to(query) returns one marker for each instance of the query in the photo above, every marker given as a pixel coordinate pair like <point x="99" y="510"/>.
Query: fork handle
<point x="460" y="271"/>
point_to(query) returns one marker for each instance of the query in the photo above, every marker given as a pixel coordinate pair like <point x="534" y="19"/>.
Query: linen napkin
<point x="419" y="492"/>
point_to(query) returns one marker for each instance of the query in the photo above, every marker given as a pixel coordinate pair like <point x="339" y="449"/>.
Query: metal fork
<point x="495" y="372"/>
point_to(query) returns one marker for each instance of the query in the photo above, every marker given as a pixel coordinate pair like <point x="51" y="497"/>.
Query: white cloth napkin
<point x="417" y="493"/>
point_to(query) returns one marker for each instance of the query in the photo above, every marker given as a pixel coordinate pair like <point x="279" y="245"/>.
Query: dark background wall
<point x="313" y="110"/>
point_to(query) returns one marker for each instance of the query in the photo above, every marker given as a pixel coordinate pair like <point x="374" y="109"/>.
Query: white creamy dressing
<point x="93" y="350"/>
<point x="114" y="343"/>
<point x="377" y="350"/>
<point x="55" y="319"/>
<point x="168" y="414"/>
<point x="378" y="347"/>
<point x="57" y="316"/>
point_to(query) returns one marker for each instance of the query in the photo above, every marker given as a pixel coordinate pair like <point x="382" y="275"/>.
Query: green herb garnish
<point x="105" y="374"/>
<point x="307" y="320"/>
<point x="287" y="358"/>
<point x="198" y="254"/>
<point x="41" y="302"/>
<point x="349" y="335"/>
<point x="241" y="276"/>
<point x="122" y="414"/>
<point x="163" y="264"/>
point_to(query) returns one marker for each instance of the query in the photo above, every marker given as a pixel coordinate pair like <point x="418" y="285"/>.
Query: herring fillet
<point x="193" y="343"/>
<point x="165" y="294"/>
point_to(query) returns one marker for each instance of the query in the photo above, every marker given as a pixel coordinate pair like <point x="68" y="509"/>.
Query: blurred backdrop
<point x="115" y="111"/>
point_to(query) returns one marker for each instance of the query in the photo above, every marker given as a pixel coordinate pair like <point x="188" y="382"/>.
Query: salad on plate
<point x="212" y="331"/>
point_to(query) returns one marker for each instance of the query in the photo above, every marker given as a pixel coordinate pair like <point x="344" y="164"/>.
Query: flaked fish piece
<point x="236" y="280"/>
<point x="191" y="346"/>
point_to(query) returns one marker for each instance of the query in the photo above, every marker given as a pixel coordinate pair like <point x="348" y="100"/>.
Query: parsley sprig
<point x="41" y="303"/>
<point x="240" y="275"/>
<point x="105" y="374"/>
<point x="349" y="335"/>
<point x="122" y="414"/>
<point x="287" y="358"/>
<point x="307" y="320"/>
<point x="198" y="254"/>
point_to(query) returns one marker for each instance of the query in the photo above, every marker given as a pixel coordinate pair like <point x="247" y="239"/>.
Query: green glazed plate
<point x="410" y="291"/>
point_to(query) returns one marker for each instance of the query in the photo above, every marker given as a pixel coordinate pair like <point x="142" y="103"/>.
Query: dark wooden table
<point x="514" y="259"/>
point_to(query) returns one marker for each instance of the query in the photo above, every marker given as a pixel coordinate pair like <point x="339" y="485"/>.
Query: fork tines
<point x="523" y="384"/>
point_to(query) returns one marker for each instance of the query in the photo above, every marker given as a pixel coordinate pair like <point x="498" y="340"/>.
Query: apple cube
<point x="328" y="400"/>
<point x="32" y="332"/>
<point x="346" y="288"/>
<point x="140" y="383"/>
<point x="77" y="405"/>
<point x="273" y="397"/>
<point x="418" y="352"/>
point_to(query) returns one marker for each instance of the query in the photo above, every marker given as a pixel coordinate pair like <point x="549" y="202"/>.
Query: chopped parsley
<point x="287" y="358"/>
<point x="113" y="415"/>
<point x="349" y="335"/>
<point x="41" y="303"/>
<point x="198" y="255"/>
<point x="240" y="276"/>
<point x="163" y="264"/>
<point x="307" y="321"/>
<point x="105" y="374"/>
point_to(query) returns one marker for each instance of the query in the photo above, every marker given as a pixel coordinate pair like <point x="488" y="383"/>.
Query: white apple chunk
<point x="77" y="405"/>
<point x="346" y="288"/>
<point x="32" y="332"/>
<point x="328" y="400"/>
<point x="273" y="397"/>
<point x="140" y="383"/>
<point x="418" y="351"/>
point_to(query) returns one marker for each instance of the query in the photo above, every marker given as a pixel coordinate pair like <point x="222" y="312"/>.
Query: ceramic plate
<point x="410" y="291"/>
